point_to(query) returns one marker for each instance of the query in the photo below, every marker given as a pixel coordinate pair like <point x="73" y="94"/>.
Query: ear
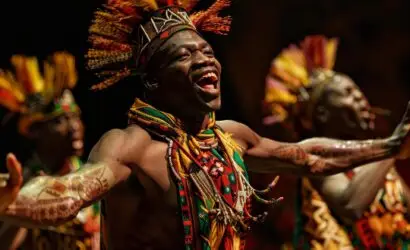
<point x="322" y="114"/>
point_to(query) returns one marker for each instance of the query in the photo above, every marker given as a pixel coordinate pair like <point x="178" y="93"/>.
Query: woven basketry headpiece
<point x="126" y="33"/>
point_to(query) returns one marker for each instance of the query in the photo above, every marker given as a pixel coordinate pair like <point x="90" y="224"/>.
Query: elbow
<point x="351" y="209"/>
<point x="353" y="212"/>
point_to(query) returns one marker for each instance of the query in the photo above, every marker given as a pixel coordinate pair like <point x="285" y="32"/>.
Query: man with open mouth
<point x="175" y="178"/>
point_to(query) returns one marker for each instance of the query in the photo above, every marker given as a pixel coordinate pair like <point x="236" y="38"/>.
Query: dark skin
<point x="347" y="106"/>
<point x="129" y="170"/>
<point x="342" y="102"/>
<point x="66" y="131"/>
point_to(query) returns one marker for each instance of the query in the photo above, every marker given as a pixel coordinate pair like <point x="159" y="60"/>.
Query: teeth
<point x="210" y="75"/>
<point x="78" y="144"/>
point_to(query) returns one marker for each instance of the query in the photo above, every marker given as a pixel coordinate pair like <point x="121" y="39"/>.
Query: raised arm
<point x="49" y="200"/>
<point x="316" y="156"/>
<point x="350" y="198"/>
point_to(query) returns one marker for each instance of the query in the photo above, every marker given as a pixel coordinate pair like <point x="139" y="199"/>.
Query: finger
<point x="3" y="183"/>
<point x="14" y="168"/>
<point x="406" y="116"/>
<point x="4" y="177"/>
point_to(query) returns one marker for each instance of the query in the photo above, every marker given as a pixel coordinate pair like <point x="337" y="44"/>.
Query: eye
<point x="182" y="55"/>
<point x="208" y="51"/>
<point x="349" y="90"/>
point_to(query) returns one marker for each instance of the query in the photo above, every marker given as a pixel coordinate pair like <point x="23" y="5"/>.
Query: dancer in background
<point x="175" y="178"/>
<point x="48" y="121"/>
<point x="364" y="208"/>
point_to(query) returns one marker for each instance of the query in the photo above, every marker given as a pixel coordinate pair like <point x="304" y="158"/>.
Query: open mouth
<point x="208" y="83"/>
<point x="78" y="145"/>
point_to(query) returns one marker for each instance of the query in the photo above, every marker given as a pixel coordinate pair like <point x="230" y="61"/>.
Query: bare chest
<point x="142" y="213"/>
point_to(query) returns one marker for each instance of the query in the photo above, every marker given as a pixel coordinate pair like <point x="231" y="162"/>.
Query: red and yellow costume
<point x="291" y="94"/>
<point x="39" y="96"/>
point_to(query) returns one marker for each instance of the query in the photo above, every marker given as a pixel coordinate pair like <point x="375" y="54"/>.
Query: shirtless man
<point x="131" y="168"/>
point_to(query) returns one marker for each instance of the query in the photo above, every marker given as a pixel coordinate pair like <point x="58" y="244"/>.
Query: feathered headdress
<point x="125" y="33"/>
<point x="38" y="96"/>
<point x="291" y="72"/>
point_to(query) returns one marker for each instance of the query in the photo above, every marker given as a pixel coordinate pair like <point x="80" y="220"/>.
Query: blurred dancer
<point x="49" y="122"/>
<point x="365" y="208"/>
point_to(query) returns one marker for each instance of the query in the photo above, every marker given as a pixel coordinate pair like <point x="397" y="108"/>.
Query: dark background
<point x="374" y="50"/>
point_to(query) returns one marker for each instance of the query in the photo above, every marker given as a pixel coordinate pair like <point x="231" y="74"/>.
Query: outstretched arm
<point x="49" y="200"/>
<point x="316" y="156"/>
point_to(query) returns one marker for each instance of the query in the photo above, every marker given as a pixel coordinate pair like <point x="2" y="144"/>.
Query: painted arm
<point x="47" y="200"/>
<point x="316" y="156"/>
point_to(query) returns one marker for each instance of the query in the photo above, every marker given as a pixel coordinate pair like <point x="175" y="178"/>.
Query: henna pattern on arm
<point x="317" y="156"/>
<point x="328" y="156"/>
<point x="53" y="200"/>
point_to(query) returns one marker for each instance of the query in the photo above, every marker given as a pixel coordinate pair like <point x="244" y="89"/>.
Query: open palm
<point x="9" y="192"/>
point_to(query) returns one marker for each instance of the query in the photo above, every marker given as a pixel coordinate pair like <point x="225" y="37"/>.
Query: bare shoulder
<point x="240" y="132"/>
<point x="233" y="127"/>
<point x="121" y="143"/>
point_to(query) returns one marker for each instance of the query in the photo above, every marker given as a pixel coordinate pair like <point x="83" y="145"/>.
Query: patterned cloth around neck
<point x="219" y="156"/>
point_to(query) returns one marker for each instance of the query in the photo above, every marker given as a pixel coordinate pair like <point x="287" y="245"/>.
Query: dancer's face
<point x="188" y="74"/>
<point x="343" y="110"/>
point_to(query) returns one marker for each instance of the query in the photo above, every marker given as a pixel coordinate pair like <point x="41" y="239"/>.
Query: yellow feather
<point x="49" y="76"/>
<point x="13" y="102"/>
<point x="7" y="82"/>
<point x="331" y="49"/>
<point x="147" y="5"/>
<point x="27" y="73"/>
<point x="278" y="95"/>
<point x="4" y="84"/>
<point x="34" y="74"/>
<point x="17" y="87"/>
<point x="65" y="67"/>
<point x="297" y="75"/>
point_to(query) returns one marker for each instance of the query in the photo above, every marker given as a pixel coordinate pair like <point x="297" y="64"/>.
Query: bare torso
<point x="142" y="212"/>
<point x="129" y="169"/>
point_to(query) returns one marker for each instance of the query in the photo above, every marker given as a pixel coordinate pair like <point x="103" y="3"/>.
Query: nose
<point x="75" y="126"/>
<point x="201" y="60"/>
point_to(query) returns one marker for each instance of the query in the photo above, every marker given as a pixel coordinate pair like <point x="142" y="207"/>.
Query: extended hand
<point x="9" y="193"/>
<point x="401" y="136"/>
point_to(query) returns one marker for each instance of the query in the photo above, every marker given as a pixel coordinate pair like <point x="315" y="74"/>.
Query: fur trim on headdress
<point x="116" y="50"/>
<point x="290" y="72"/>
<point x="29" y="92"/>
